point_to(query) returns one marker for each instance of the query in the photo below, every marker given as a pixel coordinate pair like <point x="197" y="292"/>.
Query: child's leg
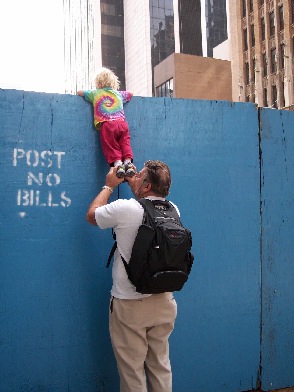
<point x="126" y="149"/>
<point x="125" y="142"/>
<point x="109" y="142"/>
<point x="110" y="146"/>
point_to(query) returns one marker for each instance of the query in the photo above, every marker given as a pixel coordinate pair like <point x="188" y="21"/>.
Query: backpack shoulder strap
<point x="111" y="254"/>
<point x="114" y="246"/>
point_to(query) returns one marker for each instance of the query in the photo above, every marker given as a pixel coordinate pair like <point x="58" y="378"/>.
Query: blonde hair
<point x="107" y="78"/>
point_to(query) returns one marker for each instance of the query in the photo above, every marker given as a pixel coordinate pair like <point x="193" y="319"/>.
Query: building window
<point x="281" y="17"/>
<point x="282" y="56"/>
<point x="250" y="6"/>
<point x="283" y="94"/>
<point x="244" y="8"/>
<point x="272" y="23"/>
<point x="273" y="60"/>
<point x="112" y="38"/>
<point x="262" y="29"/>
<point x="216" y="23"/>
<point x="252" y="36"/>
<point x="113" y="31"/>
<point x="275" y="96"/>
<point x="161" y="32"/>
<point x="166" y="89"/>
<point x="265" y="97"/>
<point x="190" y="26"/>
<point x="247" y="80"/>
<point x="108" y="9"/>
<point x="253" y="70"/>
<point x="264" y="63"/>
<point x="245" y="39"/>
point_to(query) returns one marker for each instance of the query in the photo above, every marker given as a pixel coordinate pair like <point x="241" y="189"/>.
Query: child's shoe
<point x="130" y="170"/>
<point x="120" y="173"/>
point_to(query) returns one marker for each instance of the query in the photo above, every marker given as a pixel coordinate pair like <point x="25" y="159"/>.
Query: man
<point x="140" y="324"/>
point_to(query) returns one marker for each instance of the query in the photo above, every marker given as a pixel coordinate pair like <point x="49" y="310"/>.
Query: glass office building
<point x="190" y="33"/>
<point x="216" y="24"/>
<point x="132" y="36"/>
<point x="112" y="37"/>
<point x="161" y="31"/>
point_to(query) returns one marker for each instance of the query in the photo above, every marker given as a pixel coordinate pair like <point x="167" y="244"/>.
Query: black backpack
<point x="161" y="258"/>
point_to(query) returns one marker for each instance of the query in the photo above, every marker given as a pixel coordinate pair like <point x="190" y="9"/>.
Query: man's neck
<point x="151" y="195"/>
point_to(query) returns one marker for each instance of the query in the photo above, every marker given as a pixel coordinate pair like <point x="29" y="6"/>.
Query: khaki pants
<point x="139" y="331"/>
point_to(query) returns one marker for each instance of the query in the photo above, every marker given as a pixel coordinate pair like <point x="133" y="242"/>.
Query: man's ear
<point x="147" y="186"/>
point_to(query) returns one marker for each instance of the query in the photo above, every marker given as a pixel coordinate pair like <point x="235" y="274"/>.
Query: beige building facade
<point x="194" y="77"/>
<point x="261" y="34"/>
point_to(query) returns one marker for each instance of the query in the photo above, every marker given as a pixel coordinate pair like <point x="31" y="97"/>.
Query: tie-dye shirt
<point x="108" y="104"/>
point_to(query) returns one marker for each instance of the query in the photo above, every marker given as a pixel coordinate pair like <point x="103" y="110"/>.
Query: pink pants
<point x="115" y="141"/>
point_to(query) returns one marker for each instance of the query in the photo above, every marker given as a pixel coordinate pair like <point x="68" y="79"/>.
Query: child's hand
<point x="80" y="93"/>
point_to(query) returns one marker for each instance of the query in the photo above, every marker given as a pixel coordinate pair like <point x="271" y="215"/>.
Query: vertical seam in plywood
<point x="259" y="374"/>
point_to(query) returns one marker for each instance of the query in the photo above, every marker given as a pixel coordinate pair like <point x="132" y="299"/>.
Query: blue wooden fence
<point x="232" y="168"/>
<point x="277" y="196"/>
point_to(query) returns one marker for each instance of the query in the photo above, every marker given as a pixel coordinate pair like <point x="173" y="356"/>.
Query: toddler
<point x="109" y="119"/>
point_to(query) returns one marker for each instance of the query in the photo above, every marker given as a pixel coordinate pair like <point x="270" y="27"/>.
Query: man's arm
<point x="100" y="200"/>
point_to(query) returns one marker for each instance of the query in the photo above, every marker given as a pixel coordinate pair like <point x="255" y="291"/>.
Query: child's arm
<point x="126" y="96"/>
<point x="81" y="93"/>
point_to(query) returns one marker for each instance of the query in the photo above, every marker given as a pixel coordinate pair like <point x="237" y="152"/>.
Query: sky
<point x="31" y="45"/>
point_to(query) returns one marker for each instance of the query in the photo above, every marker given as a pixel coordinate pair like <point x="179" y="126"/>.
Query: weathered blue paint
<point x="53" y="283"/>
<point x="212" y="150"/>
<point x="277" y="144"/>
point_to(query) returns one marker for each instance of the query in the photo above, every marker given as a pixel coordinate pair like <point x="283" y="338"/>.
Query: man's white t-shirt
<point x="125" y="217"/>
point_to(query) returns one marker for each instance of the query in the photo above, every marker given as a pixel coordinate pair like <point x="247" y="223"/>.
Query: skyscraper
<point x="190" y="31"/>
<point x="216" y="24"/>
<point x="262" y="59"/>
<point x="132" y="36"/>
<point x="149" y="38"/>
<point x="161" y="30"/>
<point x="112" y="37"/>
<point x="82" y="43"/>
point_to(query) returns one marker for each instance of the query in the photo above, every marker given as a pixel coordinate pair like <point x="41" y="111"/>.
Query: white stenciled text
<point x="42" y="189"/>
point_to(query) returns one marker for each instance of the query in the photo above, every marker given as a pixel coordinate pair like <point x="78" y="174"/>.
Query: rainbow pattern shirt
<point x="108" y="104"/>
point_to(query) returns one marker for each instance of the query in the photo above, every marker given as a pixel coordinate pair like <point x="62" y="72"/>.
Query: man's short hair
<point x="159" y="177"/>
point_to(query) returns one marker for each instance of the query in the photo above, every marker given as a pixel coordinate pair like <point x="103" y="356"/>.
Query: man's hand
<point x="111" y="179"/>
<point x="100" y="200"/>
